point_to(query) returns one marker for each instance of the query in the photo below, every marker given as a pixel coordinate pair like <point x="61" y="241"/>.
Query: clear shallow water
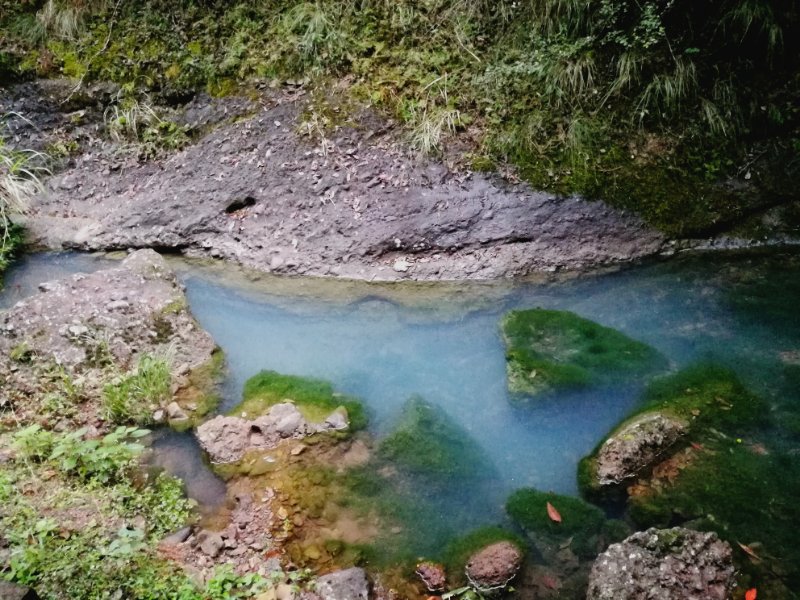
<point x="383" y="347"/>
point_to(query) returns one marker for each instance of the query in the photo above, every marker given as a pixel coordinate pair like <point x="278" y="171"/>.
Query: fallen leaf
<point x="749" y="551"/>
<point x="697" y="446"/>
<point x="751" y="594"/>
<point x="553" y="513"/>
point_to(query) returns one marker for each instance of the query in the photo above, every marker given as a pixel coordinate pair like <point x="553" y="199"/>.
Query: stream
<point x="384" y="343"/>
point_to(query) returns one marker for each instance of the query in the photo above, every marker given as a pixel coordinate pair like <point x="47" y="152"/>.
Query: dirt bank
<point x="352" y="202"/>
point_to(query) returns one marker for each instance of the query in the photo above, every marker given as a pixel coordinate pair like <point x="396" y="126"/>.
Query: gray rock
<point x="178" y="537"/>
<point x="210" y="543"/>
<point x="350" y="584"/>
<point x="664" y="564"/>
<point x="176" y="413"/>
<point x="338" y="420"/>
<point x="11" y="591"/>
<point x="494" y="566"/>
<point x="636" y="446"/>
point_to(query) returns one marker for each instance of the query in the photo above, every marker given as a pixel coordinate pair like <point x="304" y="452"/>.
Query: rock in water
<point x="494" y="566"/>
<point x="635" y="446"/>
<point x="432" y="575"/>
<point x="664" y="564"/>
<point x="350" y="584"/>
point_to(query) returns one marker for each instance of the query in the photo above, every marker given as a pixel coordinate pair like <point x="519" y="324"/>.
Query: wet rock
<point x="664" y="564"/>
<point x="350" y="584"/>
<point x="636" y="446"/>
<point x="176" y="413"/>
<point x="227" y="439"/>
<point x="210" y="543"/>
<point x="11" y="591"/>
<point x="432" y="575"/>
<point x="338" y="419"/>
<point x="494" y="566"/>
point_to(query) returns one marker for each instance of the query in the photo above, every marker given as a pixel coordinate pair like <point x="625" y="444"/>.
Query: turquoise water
<point x="384" y="344"/>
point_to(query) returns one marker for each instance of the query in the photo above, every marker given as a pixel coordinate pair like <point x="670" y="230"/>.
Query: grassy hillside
<point x="685" y="111"/>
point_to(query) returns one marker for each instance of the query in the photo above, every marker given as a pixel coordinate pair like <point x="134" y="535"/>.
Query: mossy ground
<point x="646" y="106"/>
<point x="315" y="398"/>
<point x="426" y="442"/>
<point x="549" y="350"/>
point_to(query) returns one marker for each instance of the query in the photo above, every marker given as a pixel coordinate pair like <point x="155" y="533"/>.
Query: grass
<point x="133" y="397"/>
<point x="548" y="350"/>
<point x="652" y="83"/>
<point x="315" y="398"/>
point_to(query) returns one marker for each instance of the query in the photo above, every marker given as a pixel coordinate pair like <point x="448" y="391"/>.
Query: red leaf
<point x="553" y="513"/>
<point x="750" y="594"/>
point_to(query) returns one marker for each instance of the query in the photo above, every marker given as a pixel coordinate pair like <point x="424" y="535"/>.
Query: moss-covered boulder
<point x="426" y="442"/>
<point x="458" y="551"/>
<point x="550" y="350"/>
<point x="677" y="410"/>
<point x="315" y="398"/>
<point x="583" y="525"/>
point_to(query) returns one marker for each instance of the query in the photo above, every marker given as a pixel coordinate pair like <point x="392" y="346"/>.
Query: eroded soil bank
<point x="349" y="201"/>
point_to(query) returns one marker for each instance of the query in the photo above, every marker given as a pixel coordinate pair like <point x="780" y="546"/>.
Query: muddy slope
<point x="354" y="205"/>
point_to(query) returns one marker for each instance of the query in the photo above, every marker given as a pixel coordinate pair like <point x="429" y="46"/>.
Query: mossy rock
<point x="550" y="350"/>
<point x="745" y="493"/>
<point x="458" y="550"/>
<point x="426" y="442"/>
<point x="315" y="398"/>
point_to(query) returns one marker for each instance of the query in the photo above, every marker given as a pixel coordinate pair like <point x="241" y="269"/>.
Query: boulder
<point x="494" y="566"/>
<point x="636" y="446"/>
<point x="664" y="564"/>
<point x="350" y="584"/>
<point x="227" y="439"/>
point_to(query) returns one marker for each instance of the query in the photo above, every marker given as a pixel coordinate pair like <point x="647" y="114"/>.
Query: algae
<point x="315" y="398"/>
<point x="426" y="442"/>
<point x="549" y="350"/>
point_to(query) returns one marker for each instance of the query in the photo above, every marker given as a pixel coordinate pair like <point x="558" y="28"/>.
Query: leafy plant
<point x="133" y="397"/>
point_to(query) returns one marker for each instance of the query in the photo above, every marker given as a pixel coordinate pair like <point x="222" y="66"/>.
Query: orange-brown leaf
<point x="554" y="515"/>
<point x="751" y="594"/>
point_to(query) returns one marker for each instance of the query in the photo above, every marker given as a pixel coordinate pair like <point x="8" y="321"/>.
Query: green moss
<point x="548" y="350"/>
<point x="11" y="242"/>
<point x="458" y="550"/>
<point x="744" y="495"/>
<point x="315" y="398"/>
<point x="582" y="523"/>
<point x="426" y="442"/>
<point x="708" y="396"/>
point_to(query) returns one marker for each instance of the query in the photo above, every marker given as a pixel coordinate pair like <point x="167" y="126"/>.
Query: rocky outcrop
<point x="227" y="439"/>
<point x="635" y="446"/>
<point x="664" y="564"/>
<point x="494" y="566"/>
<point x="350" y="584"/>
<point x="81" y="327"/>
<point x="357" y="205"/>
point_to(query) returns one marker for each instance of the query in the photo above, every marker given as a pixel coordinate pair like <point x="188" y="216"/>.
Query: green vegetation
<point x="650" y="105"/>
<point x="133" y="397"/>
<point x="425" y="442"/>
<point x="315" y="398"/>
<point x="583" y="526"/>
<point x="548" y="350"/>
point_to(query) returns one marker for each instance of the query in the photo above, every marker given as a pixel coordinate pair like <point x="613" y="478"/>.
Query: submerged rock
<point x="664" y="564"/>
<point x="494" y="566"/>
<point x="227" y="439"/>
<point x="636" y="446"/>
<point x="549" y="350"/>
<point x="350" y="584"/>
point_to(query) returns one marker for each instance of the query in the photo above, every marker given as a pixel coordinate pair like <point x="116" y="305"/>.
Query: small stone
<point x="210" y="543"/>
<point x="401" y="265"/>
<point x="298" y="450"/>
<point x="432" y="575"/>
<point x="11" y="591"/>
<point x="338" y="420"/>
<point x="350" y="584"/>
<point x="494" y="566"/>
